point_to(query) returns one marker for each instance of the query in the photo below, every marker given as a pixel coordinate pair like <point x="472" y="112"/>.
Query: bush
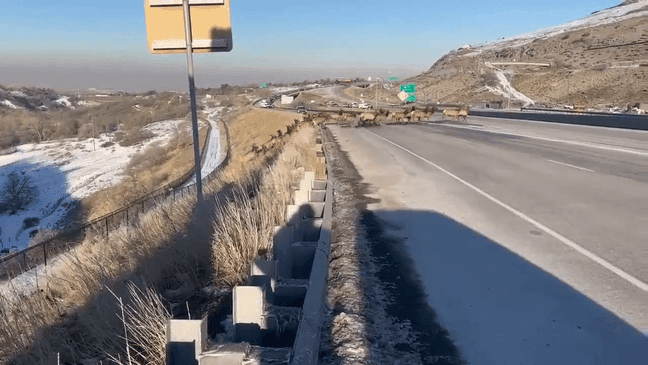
<point x="18" y="191"/>
<point x="132" y="137"/>
<point x="30" y="222"/>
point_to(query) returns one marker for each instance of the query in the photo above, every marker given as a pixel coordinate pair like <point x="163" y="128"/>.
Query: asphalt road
<point x="553" y="218"/>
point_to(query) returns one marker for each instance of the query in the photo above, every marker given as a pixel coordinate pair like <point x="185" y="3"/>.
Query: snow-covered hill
<point x="64" y="172"/>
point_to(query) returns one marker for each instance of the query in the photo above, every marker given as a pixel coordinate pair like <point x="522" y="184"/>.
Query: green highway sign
<point x="393" y="79"/>
<point x="411" y="98"/>
<point x="263" y="85"/>
<point x="409" y="88"/>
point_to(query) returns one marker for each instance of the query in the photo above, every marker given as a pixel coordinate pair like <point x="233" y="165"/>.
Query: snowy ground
<point x="213" y="156"/>
<point x="507" y="90"/>
<point x="65" y="171"/>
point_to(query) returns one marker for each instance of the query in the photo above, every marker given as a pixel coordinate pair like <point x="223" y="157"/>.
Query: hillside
<point x="599" y="62"/>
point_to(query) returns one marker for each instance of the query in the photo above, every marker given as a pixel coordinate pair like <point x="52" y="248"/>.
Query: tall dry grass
<point x="39" y="325"/>
<point x="244" y="224"/>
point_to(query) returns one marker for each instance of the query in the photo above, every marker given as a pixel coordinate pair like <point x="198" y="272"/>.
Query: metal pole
<point x="93" y="135"/>
<point x="192" y="96"/>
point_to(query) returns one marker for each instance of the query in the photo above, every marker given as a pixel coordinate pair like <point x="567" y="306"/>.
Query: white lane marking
<point x="634" y="281"/>
<point x="617" y="149"/>
<point x="566" y="164"/>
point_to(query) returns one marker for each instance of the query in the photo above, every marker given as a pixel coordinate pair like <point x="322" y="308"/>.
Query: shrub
<point x="18" y="191"/>
<point x="30" y="222"/>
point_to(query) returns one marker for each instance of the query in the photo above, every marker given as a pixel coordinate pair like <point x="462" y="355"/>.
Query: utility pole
<point x="192" y="96"/>
<point x="94" y="135"/>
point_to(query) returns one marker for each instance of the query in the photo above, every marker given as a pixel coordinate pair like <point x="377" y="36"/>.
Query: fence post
<point x="24" y="261"/>
<point x="173" y="194"/>
<point x="106" y="226"/>
<point x="45" y="252"/>
<point x="126" y="216"/>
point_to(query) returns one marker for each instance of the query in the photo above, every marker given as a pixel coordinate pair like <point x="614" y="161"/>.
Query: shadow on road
<point x="498" y="307"/>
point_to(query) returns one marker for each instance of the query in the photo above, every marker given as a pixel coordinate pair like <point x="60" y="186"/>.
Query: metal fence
<point x="15" y="263"/>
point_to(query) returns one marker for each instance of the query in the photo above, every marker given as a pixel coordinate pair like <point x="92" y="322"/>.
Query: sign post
<point x="192" y="97"/>
<point x="173" y="28"/>
<point x="264" y="85"/>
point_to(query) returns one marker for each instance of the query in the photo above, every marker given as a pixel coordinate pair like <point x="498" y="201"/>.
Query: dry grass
<point x="145" y="322"/>
<point x="38" y="325"/>
<point x="244" y="224"/>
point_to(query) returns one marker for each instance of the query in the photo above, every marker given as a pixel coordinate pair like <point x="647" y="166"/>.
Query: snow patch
<point x="63" y="100"/>
<point x="65" y="171"/>
<point x="9" y="104"/>
<point x="18" y="93"/>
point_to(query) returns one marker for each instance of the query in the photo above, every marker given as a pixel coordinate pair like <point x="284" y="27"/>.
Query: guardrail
<point x="596" y="119"/>
<point x="16" y="263"/>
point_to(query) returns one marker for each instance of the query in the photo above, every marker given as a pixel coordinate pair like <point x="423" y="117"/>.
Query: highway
<point x="530" y="239"/>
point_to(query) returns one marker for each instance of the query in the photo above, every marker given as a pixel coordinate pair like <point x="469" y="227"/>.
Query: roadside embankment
<point x="76" y="312"/>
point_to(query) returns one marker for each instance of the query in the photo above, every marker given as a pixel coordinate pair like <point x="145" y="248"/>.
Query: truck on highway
<point x="365" y="106"/>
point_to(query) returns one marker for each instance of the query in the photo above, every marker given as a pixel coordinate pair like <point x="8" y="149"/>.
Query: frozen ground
<point x="507" y="90"/>
<point x="66" y="171"/>
<point x="214" y="155"/>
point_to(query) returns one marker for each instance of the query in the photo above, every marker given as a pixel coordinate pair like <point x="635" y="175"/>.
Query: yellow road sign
<point x="211" y="26"/>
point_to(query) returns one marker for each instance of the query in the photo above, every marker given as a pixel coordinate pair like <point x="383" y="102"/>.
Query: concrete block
<point x="263" y="267"/>
<point x="281" y="244"/>
<point x="318" y="147"/>
<point x="297" y="234"/>
<point x="263" y="274"/>
<point x="268" y="356"/>
<point x="180" y="333"/>
<point x="311" y="228"/>
<point x="320" y="171"/>
<point x="225" y="354"/>
<point x="301" y="197"/>
<point x="291" y="294"/>
<point x="318" y="140"/>
<point x="319" y="185"/>
<point x="249" y="306"/>
<point x="321" y="159"/>
<point x="293" y="215"/>
<point x="317" y="195"/>
<point x="309" y="176"/>
<point x="303" y="253"/>
<point x="314" y="210"/>
<point x="319" y="154"/>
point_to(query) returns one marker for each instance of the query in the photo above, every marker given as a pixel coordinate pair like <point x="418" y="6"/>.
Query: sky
<point x="79" y="44"/>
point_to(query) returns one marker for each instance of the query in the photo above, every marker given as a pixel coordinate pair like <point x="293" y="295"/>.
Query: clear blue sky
<point x="79" y="44"/>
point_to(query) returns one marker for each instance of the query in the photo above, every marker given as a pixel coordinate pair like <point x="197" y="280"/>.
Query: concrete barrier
<point x="623" y="121"/>
<point x="277" y="316"/>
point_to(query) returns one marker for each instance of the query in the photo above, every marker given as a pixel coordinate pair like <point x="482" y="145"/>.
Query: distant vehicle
<point x="346" y="105"/>
<point x="301" y="109"/>
<point x="354" y="105"/>
<point x="263" y="104"/>
<point x="365" y="106"/>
